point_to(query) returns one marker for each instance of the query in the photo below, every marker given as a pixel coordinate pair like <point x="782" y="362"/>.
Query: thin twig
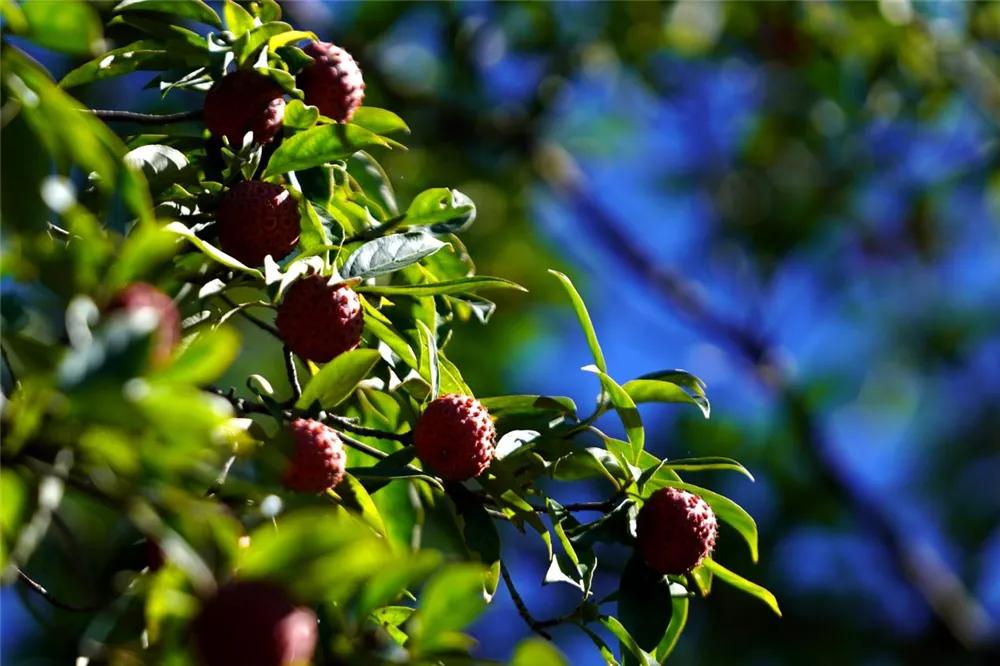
<point x="364" y="448"/>
<point x="535" y="625"/>
<point x="45" y="594"/>
<point x="259" y="323"/>
<point x="144" y="118"/>
<point x="293" y="374"/>
<point x="344" y="423"/>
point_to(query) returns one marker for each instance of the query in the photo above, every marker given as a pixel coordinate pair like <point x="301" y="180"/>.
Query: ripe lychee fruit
<point x="675" y="531"/>
<point x="319" y="322"/>
<point x="318" y="461"/>
<point x="167" y="334"/>
<point x="257" y="219"/>
<point x="244" y="101"/>
<point x="332" y="82"/>
<point x="254" y="623"/>
<point x="455" y="436"/>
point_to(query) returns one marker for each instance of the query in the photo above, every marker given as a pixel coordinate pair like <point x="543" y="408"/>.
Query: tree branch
<point x="45" y="594"/>
<point x="293" y="374"/>
<point x="144" y="118"/>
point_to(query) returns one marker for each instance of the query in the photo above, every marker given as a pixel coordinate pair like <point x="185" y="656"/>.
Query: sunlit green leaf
<point x="463" y="286"/>
<point x="737" y="581"/>
<point x="318" y="146"/>
<point x="338" y="378"/>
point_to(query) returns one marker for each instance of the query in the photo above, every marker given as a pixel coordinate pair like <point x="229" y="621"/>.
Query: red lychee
<point x="257" y="219"/>
<point x="675" y="531"/>
<point x="244" y="101"/>
<point x="319" y="322"/>
<point x="332" y="82"/>
<point x="167" y="334"/>
<point x="254" y="623"/>
<point x="318" y="461"/>
<point x="455" y="437"/>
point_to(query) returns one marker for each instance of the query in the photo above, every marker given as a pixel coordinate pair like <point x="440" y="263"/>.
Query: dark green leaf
<point x="628" y="643"/>
<point x="463" y="286"/>
<point x="584" y="317"/>
<point x="195" y="10"/>
<point x="379" y="121"/>
<point x="644" y="603"/>
<point x="669" y="386"/>
<point x="443" y="210"/>
<point x="450" y="601"/>
<point x="737" y="581"/>
<point x="627" y="412"/>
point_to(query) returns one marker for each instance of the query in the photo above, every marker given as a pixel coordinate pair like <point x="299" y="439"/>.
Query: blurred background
<point x="799" y="202"/>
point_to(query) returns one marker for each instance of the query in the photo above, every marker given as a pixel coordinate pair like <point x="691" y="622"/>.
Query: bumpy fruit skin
<point x="254" y="623"/>
<point x="257" y="219"/>
<point x="244" y="101"/>
<point x="455" y="436"/>
<point x="319" y="322"/>
<point x="168" y="332"/>
<point x="332" y="82"/>
<point x="675" y="531"/>
<point x="318" y="462"/>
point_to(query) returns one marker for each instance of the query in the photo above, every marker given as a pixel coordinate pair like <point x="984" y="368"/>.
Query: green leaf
<point x="670" y="386"/>
<point x="626" y="409"/>
<point x="463" y="286"/>
<point x="195" y="10"/>
<point x="481" y="537"/>
<point x="645" y="603"/>
<point x="69" y="26"/>
<point x="318" y="146"/>
<point x="741" y="583"/>
<point x="724" y="508"/>
<point x="299" y="115"/>
<point x="506" y="405"/>
<point x="354" y="496"/>
<point x="247" y="46"/>
<point x="537" y="652"/>
<point x="143" y="54"/>
<point x="238" y="20"/>
<point x="338" y="379"/>
<point x="287" y="37"/>
<point x="444" y="210"/>
<point x="379" y="121"/>
<point x="312" y="233"/>
<point x="678" y="620"/>
<point x="628" y="643"/>
<point x="377" y="325"/>
<point x="211" y="251"/>
<point x="429" y="368"/>
<point x="389" y="253"/>
<point x="161" y="165"/>
<point x="708" y="463"/>
<point x="450" y="601"/>
<point x="584" y="317"/>
<point x="204" y="360"/>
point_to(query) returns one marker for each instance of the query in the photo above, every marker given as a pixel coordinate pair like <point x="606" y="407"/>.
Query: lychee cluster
<point x="318" y="461"/>
<point x="332" y="82"/>
<point x="257" y="219"/>
<point x="455" y="437"/>
<point x="675" y="531"/>
<point x="254" y="623"/>
<point x="318" y="321"/>
<point x="244" y="101"/>
<point x="167" y="334"/>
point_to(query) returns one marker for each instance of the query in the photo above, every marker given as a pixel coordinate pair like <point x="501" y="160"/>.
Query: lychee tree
<point x="345" y="508"/>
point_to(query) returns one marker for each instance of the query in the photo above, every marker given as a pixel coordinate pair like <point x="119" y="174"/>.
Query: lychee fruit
<point x="332" y="82"/>
<point x="167" y="334"/>
<point x="254" y="623"/>
<point x="455" y="437"/>
<point x="257" y="219"/>
<point x="675" y="531"/>
<point x="319" y="322"/>
<point x="318" y="461"/>
<point x="244" y="101"/>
